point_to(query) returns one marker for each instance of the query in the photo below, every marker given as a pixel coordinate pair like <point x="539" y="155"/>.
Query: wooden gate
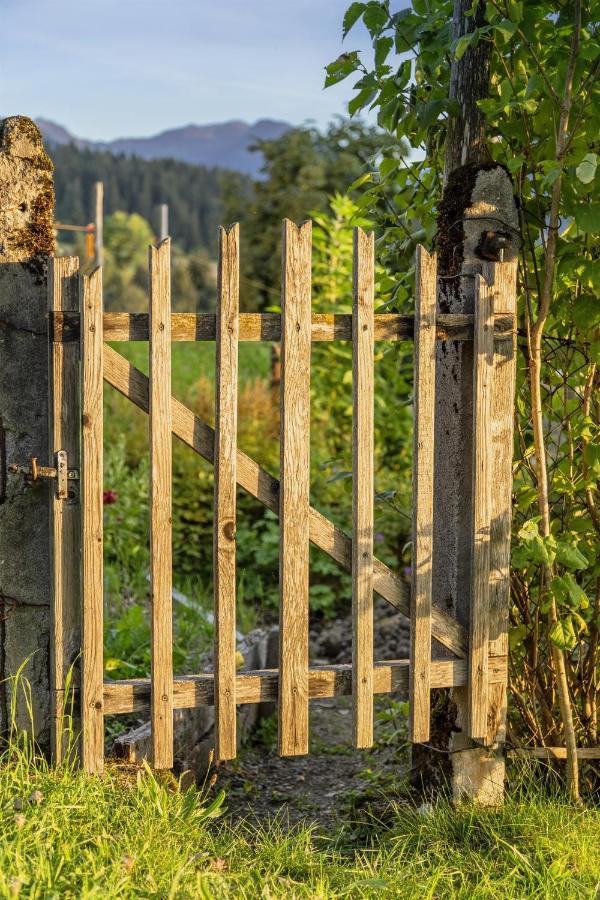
<point x="82" y="361"/>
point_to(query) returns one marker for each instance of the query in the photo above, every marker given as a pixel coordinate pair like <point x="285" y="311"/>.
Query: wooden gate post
<point x="26" y="240"/>
<point x="478" y="202"/>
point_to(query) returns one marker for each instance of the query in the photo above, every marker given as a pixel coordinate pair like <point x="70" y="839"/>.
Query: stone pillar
<point x="26" y="240"/>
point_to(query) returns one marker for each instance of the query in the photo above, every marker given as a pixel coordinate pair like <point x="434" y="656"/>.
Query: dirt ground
<point x="326" y="787"/>
<point x="334" y="782"/>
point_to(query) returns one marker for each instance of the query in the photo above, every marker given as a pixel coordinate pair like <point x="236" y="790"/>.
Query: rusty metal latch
<point x="33" y="472"/>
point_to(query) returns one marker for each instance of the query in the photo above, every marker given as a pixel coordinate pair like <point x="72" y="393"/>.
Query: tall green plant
<point x="332" y="395"/>
<point x="542" y="122"/>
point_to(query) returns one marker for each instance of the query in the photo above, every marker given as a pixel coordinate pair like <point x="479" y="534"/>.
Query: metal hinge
<point x="33" y="472"/>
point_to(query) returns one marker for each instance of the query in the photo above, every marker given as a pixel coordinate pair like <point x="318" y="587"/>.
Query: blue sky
<point x="112" y="68"/>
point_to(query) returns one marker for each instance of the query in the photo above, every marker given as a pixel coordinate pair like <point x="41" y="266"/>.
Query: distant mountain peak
<point x="223" y="144"/>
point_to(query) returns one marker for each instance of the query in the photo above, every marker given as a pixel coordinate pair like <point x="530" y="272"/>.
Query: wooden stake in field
<point x="98" y="223"/>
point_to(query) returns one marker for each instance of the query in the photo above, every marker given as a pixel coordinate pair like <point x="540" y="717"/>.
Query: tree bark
<point x="469" y="82"/>
<point x="26" y="239"/>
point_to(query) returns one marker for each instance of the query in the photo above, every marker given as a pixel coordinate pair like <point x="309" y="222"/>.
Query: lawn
<point x="126" y="834"/>
<point x="192" y="360"/>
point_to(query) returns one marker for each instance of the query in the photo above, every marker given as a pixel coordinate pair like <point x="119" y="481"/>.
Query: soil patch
<point x="334" y="781"/>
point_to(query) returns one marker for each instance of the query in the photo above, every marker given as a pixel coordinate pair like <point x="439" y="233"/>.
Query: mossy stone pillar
<point x="26" y="240"/>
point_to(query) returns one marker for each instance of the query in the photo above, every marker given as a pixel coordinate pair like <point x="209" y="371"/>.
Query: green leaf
<point x="529" y="529"/>
<point x="587" y="216"/>
<point x="112" y="664"/>
<point x="516" y="636"/>
<point x="463" y="44"/>
<point x="515" y="11"/>
<point x="563" y="634"/>
<point x="591" y="454"/>
<point x="506" y="29"/>
<point x="429" y="112"/>
<point x="362" y="99"/>
<point x="586" y="169"/>
<point x="341" y="67"/>
<point x="514" y="164"/>
<point x="353" y="14"/>
<point x="586" y="312"/>
<point x="362" y="179"/>
<point x="382" y="48"/>
<point x="567" y="592"/>
<point x="387" y="166"/>
<point x="526" y="496"/>
<point x="570" y="557"/>
<point x="405" y="23"/>
<point x="375" y="17"/>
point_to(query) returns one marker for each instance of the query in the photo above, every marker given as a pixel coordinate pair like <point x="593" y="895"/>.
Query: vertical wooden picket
<point x="483" y="358"/>
<point x="423" y="454"/>
<point x="65" y="528"/>
<point x="92" y="669"/>
<point x="226" y="389"/>
<point x="503" y="276"/>
<point x="161" y="505"/>
<point x="294" y="488"/>
<point x="363" y="486"/>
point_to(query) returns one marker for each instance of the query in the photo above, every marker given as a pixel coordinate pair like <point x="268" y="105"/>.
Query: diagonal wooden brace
<point x="133" y="384"/>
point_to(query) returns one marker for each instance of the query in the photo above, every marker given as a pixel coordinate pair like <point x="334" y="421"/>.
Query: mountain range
<point x="224" y="144"/>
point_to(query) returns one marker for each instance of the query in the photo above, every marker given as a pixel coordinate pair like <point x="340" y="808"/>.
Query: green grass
<point x="125" y="835"/>
<point x="191" y="360"/>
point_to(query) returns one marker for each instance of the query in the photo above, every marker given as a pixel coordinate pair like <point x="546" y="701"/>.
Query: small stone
<point x="425" y="809"/>
<point x="20" y="820"/>
<point x="128" y="862"/>
<point x="18" y="803"/>
<point x="218" y="865"/>
<point x="36" y="798"/>
<point x="15" y="884"/>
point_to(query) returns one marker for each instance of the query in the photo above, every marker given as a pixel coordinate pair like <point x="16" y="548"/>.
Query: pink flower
<point x="110" y="497"/>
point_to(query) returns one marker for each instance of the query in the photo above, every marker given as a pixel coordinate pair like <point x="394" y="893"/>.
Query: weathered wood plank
<point x="133" y="384"/>
<point x="294" y="488"/>
<point x="390" y="676"/>
<point x="226" y="391"/>
<point x="503" y="278"/>
<point x="65" y="520"/>
<point x="161" y="563"/>
<point x="483" y="360"/>
<point x="422" y="549"/>
<point x="363" y="393"/>
<point x="552" y="753"/>
<point x="92" y="665"/>
<point x="122" y="326"/>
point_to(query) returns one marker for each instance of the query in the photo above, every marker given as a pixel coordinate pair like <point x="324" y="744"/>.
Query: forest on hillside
<point x="301" y="171"/>
<point x="134" y="185"/>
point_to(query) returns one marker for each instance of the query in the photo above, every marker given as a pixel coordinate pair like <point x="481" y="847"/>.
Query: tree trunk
<point x="469" y="82"/>
<point x="26" y="239"/>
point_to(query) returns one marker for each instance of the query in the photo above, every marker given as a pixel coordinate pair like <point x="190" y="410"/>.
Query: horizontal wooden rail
<point x="133" y="384"/>
<point x="552" y="753"/>
<point x="191" y="691"/>
<point x="122" y="326"/>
